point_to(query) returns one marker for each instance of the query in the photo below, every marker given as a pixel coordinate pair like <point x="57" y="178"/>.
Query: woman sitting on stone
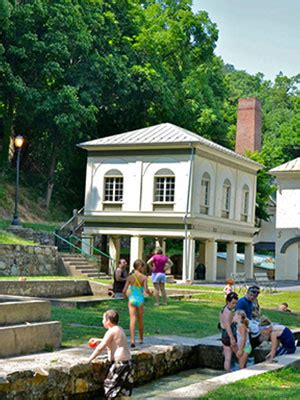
<point x="281" y="337"/>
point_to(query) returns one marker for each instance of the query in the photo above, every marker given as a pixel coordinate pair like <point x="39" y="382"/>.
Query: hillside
<point x="30" y="206"/>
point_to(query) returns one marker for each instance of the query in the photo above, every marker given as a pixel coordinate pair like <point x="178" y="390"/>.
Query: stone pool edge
<point x="197" y="390"/>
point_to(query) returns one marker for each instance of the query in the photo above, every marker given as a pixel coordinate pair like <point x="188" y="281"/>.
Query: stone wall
<point x="46" y="288"/>
<point x="20" y="260"/>
<point x="67" y="375"/>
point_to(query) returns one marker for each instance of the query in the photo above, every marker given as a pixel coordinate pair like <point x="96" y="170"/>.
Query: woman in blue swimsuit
<point x="137" y="284"/>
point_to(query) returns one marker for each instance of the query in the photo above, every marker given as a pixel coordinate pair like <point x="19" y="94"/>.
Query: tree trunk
<point x="50" y="181"/>
<point x="8" y="123"/>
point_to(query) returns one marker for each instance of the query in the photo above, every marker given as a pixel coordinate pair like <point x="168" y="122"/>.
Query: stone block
<point x="30" y="338"/>
<point x="19" y="312"/>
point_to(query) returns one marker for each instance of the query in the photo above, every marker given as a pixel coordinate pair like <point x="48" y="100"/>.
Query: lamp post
<point x="18" y="142"/>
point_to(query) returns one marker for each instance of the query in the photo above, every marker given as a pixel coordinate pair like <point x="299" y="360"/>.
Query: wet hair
<point x="112" y="316"/>
<point x="229" y="281"/>
<point x="265" y="322"/>
<point x="231" y="296"/>
<point x="244" y="319"/>
<point x="138" y="263"/>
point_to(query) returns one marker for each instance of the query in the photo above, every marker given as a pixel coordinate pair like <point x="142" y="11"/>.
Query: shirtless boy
<point x="119" y="379"/>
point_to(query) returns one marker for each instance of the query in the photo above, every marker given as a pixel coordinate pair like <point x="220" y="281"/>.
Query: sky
<point x="257" y="35"/>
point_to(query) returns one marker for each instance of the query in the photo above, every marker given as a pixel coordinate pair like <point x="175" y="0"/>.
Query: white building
<point x="288" y="220"/>
<point x="167" y="182"/>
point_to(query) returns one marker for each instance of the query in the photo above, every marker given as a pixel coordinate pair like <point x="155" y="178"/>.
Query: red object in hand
<point x="93" y="342"/>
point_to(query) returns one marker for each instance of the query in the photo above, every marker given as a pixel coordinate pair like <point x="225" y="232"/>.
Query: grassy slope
<point x="30" y="208"/>
<point x="284" y="383"/>
<point x="9" y="238"/>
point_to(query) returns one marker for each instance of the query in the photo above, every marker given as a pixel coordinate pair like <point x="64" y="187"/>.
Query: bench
<point x="240" y="280"/>
<point x="262" y="280"/>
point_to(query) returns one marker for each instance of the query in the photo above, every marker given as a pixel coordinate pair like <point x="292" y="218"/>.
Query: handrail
<point x="71" y="219"/>
<point x="94" y="248"/>
<point x="88" y="256"/>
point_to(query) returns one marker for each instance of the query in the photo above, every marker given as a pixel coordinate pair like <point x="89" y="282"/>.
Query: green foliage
<point x="74" y="70"/>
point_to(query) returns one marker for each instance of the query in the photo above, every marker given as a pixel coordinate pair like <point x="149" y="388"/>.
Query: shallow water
<point x="172" y="382"/>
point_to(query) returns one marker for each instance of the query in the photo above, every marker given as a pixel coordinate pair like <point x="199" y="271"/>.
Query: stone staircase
<point x="77" y="265"/>
<point x="26" y="327"/>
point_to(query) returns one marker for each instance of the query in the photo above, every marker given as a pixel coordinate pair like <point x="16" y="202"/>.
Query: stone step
<point x="29" y="338"/>
<point x="74" y="259"/>
<point x="85" y="267"/>
<point x="19" y="312"/>
<point x="96" y="275"/>
<point x="88" y="271"/>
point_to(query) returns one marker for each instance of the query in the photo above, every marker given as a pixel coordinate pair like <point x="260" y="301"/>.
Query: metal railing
<point x="112" y="261"/>
<point x="89" y="257"/>
<point x="63" y="226"/>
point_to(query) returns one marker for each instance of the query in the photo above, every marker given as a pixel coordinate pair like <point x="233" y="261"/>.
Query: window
<point x="164" y="186"/>
<point x="205" y="194"/>
<point x="226" y="199"/>
<point x="113" y="186"/>
<point x="245" y="204"/>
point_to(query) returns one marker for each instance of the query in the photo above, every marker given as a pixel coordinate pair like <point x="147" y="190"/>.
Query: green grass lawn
<point x="197" y="317"/>
<point x="284" y="383"/>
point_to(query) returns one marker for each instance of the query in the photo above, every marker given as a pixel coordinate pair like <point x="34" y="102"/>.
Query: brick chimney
<point x="248" y="133"/>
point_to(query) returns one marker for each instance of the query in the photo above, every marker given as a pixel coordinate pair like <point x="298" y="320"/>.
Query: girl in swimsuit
<point x="137" y="284"/>
<point x="243" y="339"/>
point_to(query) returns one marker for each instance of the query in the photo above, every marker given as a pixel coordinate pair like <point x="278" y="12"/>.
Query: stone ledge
<point x="66" y="373"/>
<point x="29" y="338"/>
<point x="200" y="389"/>
<point x="18" y="312"/>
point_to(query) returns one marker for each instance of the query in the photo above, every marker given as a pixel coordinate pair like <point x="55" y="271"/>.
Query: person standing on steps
<point x="159" y="263"/>
<point x="120" y="276"/>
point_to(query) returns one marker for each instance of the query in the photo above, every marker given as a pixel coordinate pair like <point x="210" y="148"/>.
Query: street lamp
<point x="18" y="142"/>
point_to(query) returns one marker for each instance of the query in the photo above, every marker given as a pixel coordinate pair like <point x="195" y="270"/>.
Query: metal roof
<point x="159" y="134"/>
<point x="290" y="166"/>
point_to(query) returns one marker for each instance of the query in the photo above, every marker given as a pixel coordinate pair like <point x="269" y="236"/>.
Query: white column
<point x="249" y="252"/>
<point x="161" y="242"/>
<point x="87" y="244"/>
<point x="211" y="247"/>
<point x="136" y="249"/>
<point x="188" y="259"/>
<point x="231" y="248"/>
<point x="114" y="251"/>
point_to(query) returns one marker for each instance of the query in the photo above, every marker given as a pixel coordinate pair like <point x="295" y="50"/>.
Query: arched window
<point x="113" y="186"/>
<point x="205" y="193"/>
<point x="164" y="186"/>
<point x="226" y="199"/>
<point x="245" y="204"/>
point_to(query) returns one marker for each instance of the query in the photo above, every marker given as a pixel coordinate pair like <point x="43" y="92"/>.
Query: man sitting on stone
<point x="249" y="304"/>
<point x="120" y="276"/>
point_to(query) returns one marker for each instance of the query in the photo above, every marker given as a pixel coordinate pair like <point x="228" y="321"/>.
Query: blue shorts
<point x="158" y="277"/>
